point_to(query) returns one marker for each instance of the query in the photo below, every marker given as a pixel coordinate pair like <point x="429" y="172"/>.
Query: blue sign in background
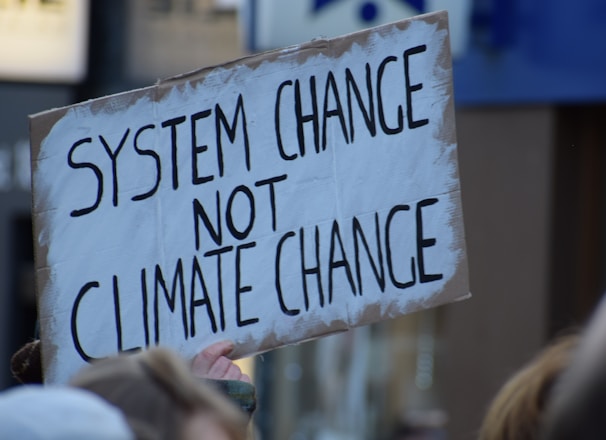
<point x="519" y="51"/>
<point x="539" y="51"/>
<point x="368" y="10"/>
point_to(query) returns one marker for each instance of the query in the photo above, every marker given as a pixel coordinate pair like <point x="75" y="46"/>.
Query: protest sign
<point x="271" y="200"/>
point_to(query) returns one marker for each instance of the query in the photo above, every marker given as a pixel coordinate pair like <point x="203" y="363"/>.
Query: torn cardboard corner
<point x="272" y="200"/>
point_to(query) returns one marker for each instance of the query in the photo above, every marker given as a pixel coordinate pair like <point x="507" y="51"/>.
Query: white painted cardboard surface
<point x="371" y="224"/>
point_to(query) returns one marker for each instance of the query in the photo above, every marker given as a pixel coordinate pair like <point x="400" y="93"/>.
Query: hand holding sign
<point x="272" y="200"/>
<point x="213" y="363"/>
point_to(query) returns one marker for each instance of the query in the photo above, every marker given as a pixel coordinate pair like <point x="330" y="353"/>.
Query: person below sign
<point x="161" y="399"/>
<point x="128" y="381"/>
<point x="559" y="395"/>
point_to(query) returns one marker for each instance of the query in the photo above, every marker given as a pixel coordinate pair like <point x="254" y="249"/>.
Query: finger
<point x="219" y="369"/>
<point x="204" y="360"/>
<point x="233" y="373"/>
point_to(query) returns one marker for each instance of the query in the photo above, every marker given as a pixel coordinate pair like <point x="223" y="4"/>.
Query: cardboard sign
<point x="272" y="200"/>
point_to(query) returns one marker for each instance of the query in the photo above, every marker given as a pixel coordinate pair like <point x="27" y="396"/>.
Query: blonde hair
<point x="157" y="393"/>
<point x="517" y="411"/>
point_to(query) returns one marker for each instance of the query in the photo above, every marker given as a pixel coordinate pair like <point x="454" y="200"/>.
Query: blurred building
<point x="530" y="92"/>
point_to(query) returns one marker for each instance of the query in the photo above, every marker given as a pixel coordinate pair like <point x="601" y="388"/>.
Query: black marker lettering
<point x="114" y="159"/>
<point x="221" y="120"/>
<point x="218" y="253"/>
<point x="285" y="310"/>
<point x="272" y="195"/>
<point x="117" y="313"/>
<point x="74" y="320"/>
<point x="119" y="321"/>
<point x="144" y="298"/>
<point x="335" y="238"/>
<point x="196" y="302"/>
<point x="387" y="129"/>
<point x="154" y="156"/>
<point x="313" y="270"/>
<point x="172" y="123"/>
<point x="242" y="289"/>
<point x="412" y="88"/>
<point x="240" y="235"/>
<point x="96" y="171"/>
<point x="337" y="111"/>
<point x="377" y="267"/>
<point x="283" y="154"/>
<point x="197" y="149"/>
<point x="368" y="112"/>
<point x="311" y="117"/>
<point x="199" y="212"/>
<point x="424" y="243"/>
<point x="395" y="282"/>
<point x="178" y="282"/>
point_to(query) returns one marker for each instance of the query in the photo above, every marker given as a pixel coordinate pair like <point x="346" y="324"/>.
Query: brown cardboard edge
<point x="40" y="125"/>
<point x="461" y="276"/>
<point x="448" y="128"/>
<point x="250" y="347"/>
<point x="49" y="350"/>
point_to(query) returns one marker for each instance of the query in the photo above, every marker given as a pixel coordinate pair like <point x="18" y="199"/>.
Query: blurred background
<point x="530" y="96"/>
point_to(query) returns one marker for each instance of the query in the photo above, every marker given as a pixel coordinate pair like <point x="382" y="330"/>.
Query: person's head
<point x="34" y="412"/>
<point x="577" y="409"/>
<point x="518" y="409"/>
<point x="161" y="399"/>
